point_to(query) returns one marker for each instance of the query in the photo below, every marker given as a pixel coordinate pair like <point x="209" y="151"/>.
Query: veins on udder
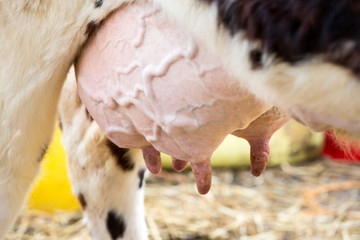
<point x="196" y="110"/>
<point x="126" y="97"/>
<point x="129" y="97"/>
<point x="139" y="39"/>
<point x="213" y="119"/>
<point x="152" y="71"/>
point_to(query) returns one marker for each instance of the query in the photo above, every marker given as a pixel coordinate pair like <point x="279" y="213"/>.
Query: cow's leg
<point x="26" y="126"/>
<point x="15" y="179"/>
<point x="108" y="180"/>
<point x="112" y="197"/>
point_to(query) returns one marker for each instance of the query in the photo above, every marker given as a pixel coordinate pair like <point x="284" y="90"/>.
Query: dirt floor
<point x="315" y="200"/>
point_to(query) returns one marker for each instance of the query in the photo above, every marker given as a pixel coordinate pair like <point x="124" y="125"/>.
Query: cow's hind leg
<point x="108" y="180"/>
<point x="14" y="184"/>
<point x="23" y="142"/>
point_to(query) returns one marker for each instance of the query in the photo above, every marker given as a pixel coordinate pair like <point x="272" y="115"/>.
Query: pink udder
<point x="150" y="85"/>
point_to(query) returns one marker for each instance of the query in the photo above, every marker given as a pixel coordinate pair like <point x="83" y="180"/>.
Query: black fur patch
<point x="43" y="152"/>
<point x="91" y="27"/>
<point x="141" y="175"/>
<point x="98" y="3"/>
<point x="115" y="225"/>
<point x="82" y="200"/>
<point x="123" y="161"/>
<point x="60" y="124"/>
<point x="88" y="116"/>
<point x="294" y="30"/>
<point x="256" y="59"/>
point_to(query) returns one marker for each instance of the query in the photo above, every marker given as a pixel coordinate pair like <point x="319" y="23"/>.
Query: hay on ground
<point x="318" y="200"/>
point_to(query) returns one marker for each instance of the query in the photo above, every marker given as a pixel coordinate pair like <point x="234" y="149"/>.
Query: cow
<point x="301" y="57"/>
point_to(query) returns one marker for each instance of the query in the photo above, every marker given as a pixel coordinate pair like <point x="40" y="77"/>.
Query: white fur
<point x="94" y="173"/>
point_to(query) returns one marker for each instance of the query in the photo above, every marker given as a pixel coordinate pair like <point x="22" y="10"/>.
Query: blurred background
<point x="310" y="190"/>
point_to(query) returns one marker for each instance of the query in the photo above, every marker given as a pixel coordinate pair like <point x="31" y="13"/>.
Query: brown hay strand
<point x="314" y="207"/>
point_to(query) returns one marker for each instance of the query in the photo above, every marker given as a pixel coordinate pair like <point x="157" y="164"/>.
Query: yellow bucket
<point x="52" y="190"/>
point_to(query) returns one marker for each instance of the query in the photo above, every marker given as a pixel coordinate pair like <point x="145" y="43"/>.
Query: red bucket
<point x="334" y="150"/>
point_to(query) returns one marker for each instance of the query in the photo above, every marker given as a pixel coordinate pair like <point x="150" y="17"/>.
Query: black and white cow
<point x="301" y="56"/>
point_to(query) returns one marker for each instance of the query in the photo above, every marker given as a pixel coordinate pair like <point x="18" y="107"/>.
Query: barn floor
<point x="316" y="200"/>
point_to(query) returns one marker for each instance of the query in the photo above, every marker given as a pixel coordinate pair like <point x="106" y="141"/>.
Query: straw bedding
<point x="316" y="200"/>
